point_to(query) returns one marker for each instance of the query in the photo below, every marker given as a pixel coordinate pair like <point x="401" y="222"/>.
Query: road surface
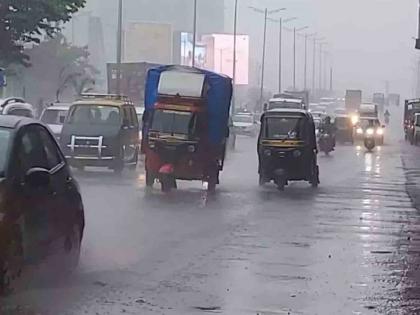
<point x="349" y="247"/>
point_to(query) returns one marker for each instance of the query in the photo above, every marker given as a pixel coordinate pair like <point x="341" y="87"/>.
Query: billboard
<point x="187" y="51"/>
<point x="148" y="42"/>
<point x="215" y="53"/>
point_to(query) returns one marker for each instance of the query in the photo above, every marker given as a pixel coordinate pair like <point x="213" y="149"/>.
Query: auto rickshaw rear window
<point x="95" y="114"/>
<point x="284" y="127"/>
<point x="173" y="122"/>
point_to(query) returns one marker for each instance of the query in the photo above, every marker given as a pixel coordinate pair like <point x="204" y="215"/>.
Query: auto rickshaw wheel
<point x="262" y="180"/>
<point x="167" y="183"/>
<point x="315" y="177"/>
<point x="150" y="179"/>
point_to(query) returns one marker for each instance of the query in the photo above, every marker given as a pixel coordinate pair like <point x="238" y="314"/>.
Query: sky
<point x="369" y="41"/>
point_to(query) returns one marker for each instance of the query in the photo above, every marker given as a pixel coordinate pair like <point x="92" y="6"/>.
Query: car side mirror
<point x="37" y="178"/>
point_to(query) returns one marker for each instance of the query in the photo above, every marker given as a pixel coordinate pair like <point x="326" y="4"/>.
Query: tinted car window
<point x="95" y="114"/>
<point x="31" y="151"/>
<point x="56" y="117"/>
<point x="5" y="136"/>
<point x="20" y="112"/>
<point x="51" y="151"/>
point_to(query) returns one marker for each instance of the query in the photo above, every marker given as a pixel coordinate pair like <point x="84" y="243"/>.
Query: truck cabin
<point x="180" y="105"/>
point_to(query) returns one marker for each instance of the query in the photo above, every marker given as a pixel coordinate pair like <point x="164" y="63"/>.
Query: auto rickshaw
<point x="186" y="125"/>
<point x="287" y="148"/>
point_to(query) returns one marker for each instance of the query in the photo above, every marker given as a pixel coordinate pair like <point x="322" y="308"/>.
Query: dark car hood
<point x="90" y="130"/>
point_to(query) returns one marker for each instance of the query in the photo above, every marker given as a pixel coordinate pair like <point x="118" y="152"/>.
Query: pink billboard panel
<point x="215" y="53"/>
<point x="220" y="55"/>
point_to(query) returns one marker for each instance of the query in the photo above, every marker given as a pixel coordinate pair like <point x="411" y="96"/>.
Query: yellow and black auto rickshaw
<point x="287" y="148"/>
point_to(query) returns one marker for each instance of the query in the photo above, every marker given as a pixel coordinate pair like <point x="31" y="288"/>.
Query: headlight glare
<point x="359" y="131"/>
<point x="380" y="132"/>
<point x="370" y="132"/>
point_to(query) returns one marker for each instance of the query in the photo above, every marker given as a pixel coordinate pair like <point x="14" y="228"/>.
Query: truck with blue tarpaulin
<point x="186" y="125"/>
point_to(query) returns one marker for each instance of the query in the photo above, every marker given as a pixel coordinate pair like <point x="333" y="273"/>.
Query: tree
<point x="27" y="21"/>
<point x="59" y="70"/>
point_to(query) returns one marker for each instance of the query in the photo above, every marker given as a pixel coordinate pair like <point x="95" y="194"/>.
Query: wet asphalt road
<point x="350" y="247"/>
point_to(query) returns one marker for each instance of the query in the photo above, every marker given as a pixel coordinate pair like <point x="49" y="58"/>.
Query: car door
<point x="36" y="204"/>
<point x="61" y="219"/>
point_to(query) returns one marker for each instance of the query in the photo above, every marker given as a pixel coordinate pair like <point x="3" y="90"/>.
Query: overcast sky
<point x="370" y="41"/>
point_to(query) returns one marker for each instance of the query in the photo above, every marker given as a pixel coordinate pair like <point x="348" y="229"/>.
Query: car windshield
<point x="23" y="112"/>
<point x="243" y="119"/>
<point x="95" y="115"/>
<point x="283" y="127"/>
<point x="54" y="116"/>
<point x="5" y="135"/>
<point x="173" y="122"/>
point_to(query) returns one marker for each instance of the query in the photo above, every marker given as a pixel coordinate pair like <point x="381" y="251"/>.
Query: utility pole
<point x="119" y="47"/>
<point x="235" y="34"/>
<point x="194" y="33"/>
<point x="320" y="66"/>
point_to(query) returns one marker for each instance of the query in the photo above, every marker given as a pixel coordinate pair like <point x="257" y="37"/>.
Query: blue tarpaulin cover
<point x="218" y="98"/>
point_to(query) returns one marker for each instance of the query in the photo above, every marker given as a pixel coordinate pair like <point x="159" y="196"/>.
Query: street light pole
<point x="305" y="76"/>
<point x="266" y="13"/>
<point x="235" y="33"/>
<point x="119" y="47"/>
<point x="280" y="54"/>
<point x="194" y="33"/>
<point x="294" y="53"/>
<point x="320" y="66"/>
<point x="263" y="56"/>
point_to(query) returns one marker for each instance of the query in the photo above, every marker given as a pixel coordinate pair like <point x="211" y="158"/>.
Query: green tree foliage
<point x="27" y="21"/>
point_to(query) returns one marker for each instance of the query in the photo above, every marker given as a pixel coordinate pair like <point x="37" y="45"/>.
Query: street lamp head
<point x="276" y="10"/>
<point x="289" y="19"/>
<point x="256" y="9"/>
<point x="302" y="28"/>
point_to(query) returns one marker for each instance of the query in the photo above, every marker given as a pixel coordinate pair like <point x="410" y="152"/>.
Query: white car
<point x="244" y="124"/>
<point x="18" y="109"/>
<point x="54" y="117"/>
<point x="140" y="112"/>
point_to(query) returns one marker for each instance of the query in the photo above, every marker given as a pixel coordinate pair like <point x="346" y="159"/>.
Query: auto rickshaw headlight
<point x="191" y="148"/>
<point x="297" y="153"/>
<point x="380" y="132"/>
<point x="359" y="131"/>
<point x="267" y="152"/>
<point x="370" y="132"/>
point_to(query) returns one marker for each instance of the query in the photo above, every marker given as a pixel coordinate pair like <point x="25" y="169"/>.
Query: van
<point x="102" y="131"/>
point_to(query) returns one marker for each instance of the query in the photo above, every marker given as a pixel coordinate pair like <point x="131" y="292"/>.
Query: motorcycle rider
<point x="329" y="128"/>
<point x="387" y="115"/>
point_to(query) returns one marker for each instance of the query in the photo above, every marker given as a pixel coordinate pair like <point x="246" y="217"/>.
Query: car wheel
<point x="72" y="245"/>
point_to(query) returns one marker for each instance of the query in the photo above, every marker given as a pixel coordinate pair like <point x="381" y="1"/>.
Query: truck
<point x="411" y="107"/>
<point x="368" y="110"/>
<point x="133" y="78"/>
<point x="353" y="101"/>
<point x="394" y="99"/>
<point x="379" y="99"/>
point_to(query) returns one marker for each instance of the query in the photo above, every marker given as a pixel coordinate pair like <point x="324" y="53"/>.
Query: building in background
<point x="148" y="42"/>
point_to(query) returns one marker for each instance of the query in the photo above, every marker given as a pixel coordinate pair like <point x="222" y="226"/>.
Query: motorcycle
<point x="369" y="140"/>
<point x="326" y="143"/>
